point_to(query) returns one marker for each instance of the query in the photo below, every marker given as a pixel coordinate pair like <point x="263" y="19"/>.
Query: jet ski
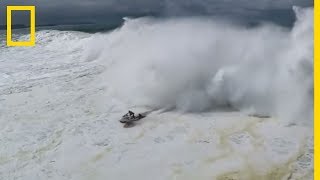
<point x="130" y="117"/>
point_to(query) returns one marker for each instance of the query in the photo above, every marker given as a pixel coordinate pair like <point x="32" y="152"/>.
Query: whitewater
<point x="228" y="101"/>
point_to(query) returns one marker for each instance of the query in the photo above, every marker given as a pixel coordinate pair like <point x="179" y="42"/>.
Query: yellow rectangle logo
<point x="32" y="25"/>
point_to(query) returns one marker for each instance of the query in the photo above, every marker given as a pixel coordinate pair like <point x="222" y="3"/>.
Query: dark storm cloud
<point x="76" y="11"/>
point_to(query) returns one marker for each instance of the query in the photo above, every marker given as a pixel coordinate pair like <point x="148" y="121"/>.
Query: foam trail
<point x="197" y="64"/>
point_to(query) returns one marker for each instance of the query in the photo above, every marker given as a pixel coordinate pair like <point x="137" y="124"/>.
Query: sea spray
<point x="200" y="64"/>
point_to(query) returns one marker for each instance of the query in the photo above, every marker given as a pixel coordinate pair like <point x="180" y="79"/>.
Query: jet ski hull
<point x="129" y="120"/>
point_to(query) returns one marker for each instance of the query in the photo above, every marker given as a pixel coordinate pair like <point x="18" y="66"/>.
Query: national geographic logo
<point x="32" y="40"/>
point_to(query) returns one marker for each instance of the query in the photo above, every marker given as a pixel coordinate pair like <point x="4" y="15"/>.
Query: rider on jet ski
<point x="131" y="115"/>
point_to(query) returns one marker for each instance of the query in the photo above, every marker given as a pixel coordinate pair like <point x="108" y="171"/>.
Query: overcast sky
<point x="98" y="11"/>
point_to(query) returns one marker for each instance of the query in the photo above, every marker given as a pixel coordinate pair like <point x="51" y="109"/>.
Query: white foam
<point x="60" y="102"/>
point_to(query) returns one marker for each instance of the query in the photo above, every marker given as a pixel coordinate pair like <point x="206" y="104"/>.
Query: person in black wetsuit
<point x="131" y="114"/>
<point x="140" y="116"/>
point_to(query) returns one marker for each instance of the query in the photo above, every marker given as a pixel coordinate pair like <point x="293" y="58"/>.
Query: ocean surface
<point x="228" y="100"/>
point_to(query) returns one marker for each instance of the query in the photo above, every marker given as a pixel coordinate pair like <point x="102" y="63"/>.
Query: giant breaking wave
<point x="201" y="64"/>
<point x="198" y="64"/>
